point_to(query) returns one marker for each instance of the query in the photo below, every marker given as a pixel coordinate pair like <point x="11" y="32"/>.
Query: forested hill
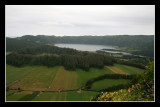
<point x="53" y="56"/>
<point x="138" y="44"/>
<point x="13" y="44"/>
<point x="115" y="40"/>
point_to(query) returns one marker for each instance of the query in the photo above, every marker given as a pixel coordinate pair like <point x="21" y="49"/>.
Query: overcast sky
<point x="77" y="20"/>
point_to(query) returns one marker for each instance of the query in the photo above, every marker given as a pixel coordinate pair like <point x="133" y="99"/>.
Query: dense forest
<point x="29" y="49"/>
<point x="69" y="58"/>
<point x="13" y="44"/>
<point x="136" y="44"/>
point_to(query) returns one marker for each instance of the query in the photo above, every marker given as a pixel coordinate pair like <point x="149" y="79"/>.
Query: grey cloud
<point x="79" y="19"/>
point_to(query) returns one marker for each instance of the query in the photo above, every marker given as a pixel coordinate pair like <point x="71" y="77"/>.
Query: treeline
<point x="115" y="88"/>
<point x="136" y="61"/>
<point x="131" y="63"/>
<point x="13" y="44"/>
<point x="47" y="49"/>
<point x="107" y="76"/>
<point x="74" y="59"/>
<point x="145" y="49"/>
<point x="115" y="40"/>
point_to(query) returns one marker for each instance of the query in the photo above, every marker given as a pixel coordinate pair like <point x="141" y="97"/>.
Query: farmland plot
<point x="41" y="83"/>
<point x="64" y="80"/>
<point x="38" y="79"/>
<point x="129" y="69"/>
<point x="116" y="70"/>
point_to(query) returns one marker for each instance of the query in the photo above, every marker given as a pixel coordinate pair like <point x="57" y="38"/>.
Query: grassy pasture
<point x="52" y="96"/>
<point x="38" y="79"/>
<point x="129" y="69"/>
<point x="83" y="76"/>
<point x="83" y="96"/>
<point x="15" y="97"/>
<point x="116" y="70"/>
<point x="65" y="96"/>
<point x="14" y="74"/>
<point x="41" y="78"/>
<point x="102" y="84"/>
<point x="65" y="80"/>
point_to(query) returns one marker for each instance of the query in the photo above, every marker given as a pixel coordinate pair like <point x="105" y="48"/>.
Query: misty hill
<point x="143" y="44"/>
<point x="115" y="40"/>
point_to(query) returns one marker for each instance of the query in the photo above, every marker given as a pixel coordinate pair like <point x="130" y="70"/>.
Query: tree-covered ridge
<point x="13" y="44"/>
<point x="47" y="49"/>
<point x="136" y="44"/>
<point x="69" y="58"/>
<point x="115" y="40"/>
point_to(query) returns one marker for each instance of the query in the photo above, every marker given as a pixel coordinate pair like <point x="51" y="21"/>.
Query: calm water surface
<point x="88" y="47"/>
<point x="85" y="47"/>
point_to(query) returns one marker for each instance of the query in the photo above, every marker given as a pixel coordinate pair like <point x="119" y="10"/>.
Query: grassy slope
<point x="65" y="96"/>
<point x="102" y="84"/>
<point x="83" y="76"/>
<point x="14" y="73"/>
<point x="39" y="78"/>
<point x="129" y="69"/>
<point x="64" y="79"/>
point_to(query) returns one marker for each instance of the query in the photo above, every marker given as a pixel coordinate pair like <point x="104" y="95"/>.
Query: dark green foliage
<point x="116" y="40"/>
<point x="13" y="44"/>
<point x="115" y="88"/>
<point x="131" y="63"/>
<point x="18" y="60"/>
<point x="143" y="44"/>
<point x="144" y="84"/>
<point x="69" y="58"/>
<point x="146" y="49"/>
<point x="131" y="60"/>
<point x="47" y="49"/>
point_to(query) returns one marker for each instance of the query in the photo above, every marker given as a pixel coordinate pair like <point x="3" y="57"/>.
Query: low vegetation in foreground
<point x="142" y="90"/>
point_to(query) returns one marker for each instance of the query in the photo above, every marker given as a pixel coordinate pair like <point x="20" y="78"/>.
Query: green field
<point x="53" y="96"/>
<point x="40" y="83"/>
<point x="129" y="69"/>
<point x="106" y="83"/>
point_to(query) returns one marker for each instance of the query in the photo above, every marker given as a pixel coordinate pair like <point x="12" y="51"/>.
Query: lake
<point x="84" y="47"/>
<point x="89" y="47"/>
